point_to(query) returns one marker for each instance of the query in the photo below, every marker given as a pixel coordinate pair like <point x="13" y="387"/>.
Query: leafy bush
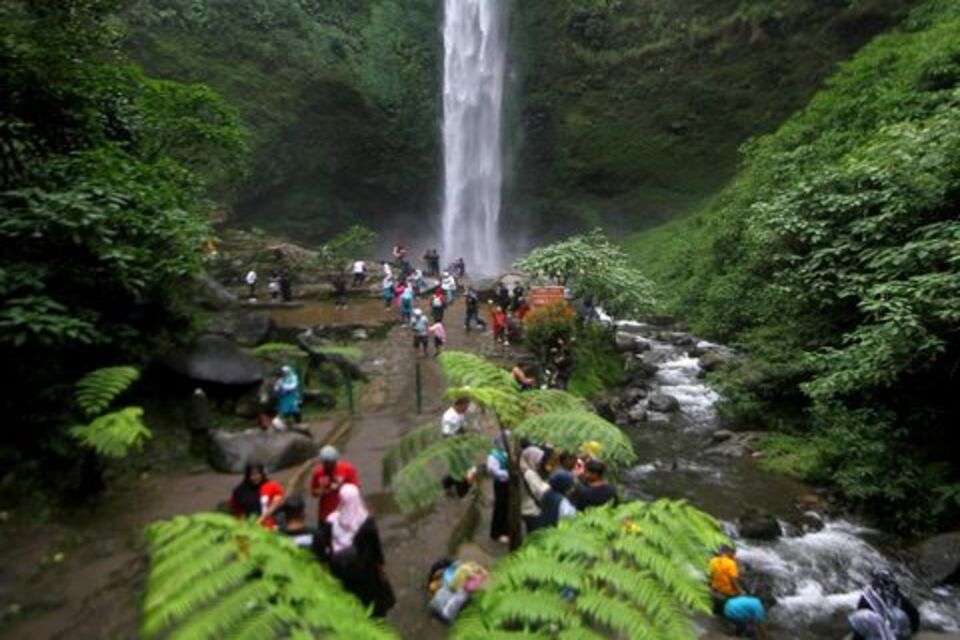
<point x="543" y="326"/>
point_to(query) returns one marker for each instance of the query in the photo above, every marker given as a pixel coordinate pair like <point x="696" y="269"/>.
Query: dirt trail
<point x="93" y="590"/>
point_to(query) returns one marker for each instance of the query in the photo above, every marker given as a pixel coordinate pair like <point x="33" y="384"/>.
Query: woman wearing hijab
<point x="257" y="496"/>
<point x="554" y="504"/>
<point x="499" y="469"/>
<point x="353" y="549"/>
<point x="532" y="488"/>
<point x="883" y="612"/>
<point x="287" y="390"/>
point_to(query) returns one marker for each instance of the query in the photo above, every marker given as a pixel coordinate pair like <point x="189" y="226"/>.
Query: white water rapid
<point x="473" y="77"/>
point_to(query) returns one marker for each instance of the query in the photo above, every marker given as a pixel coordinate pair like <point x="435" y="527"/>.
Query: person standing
<point x="438" y="304"/>
<point x="460" y="268"/>
<point x="328" y="477"/>
<point x="287" y="391"/>
<point x="355" y="552"/>
<point x="503" y="296"/>
<point x="387" y="291"/>
<point x="449" y="284"/>
<point x="499" y="470"/>
<point x="286" y="288"/>
<point x="257" y="496"/>
<point x="594" y="491"/>
<point x="273" y="286"/>
<point x="472" y="314"/>
<point x="251" y="280"/>
<point x="454" y="420"/>
<point x="554" y="503"/>
<point x="532" y="487"/>
<point x="439" y="334"/>
<point x="499" y="321"/>
<point x="359" y="272"/>
<point x="406" y="304"/>
<point x="421" y="331"/>
<point x="295" y="523"/>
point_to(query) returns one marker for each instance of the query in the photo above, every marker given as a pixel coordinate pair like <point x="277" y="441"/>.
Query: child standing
<point x="439" y="334"/>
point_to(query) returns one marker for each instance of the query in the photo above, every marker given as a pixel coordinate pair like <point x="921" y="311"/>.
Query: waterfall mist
<point x="473" y="79"/>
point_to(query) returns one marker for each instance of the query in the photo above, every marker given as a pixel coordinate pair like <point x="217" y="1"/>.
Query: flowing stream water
<point x="816" y="575"/>
<point x="473" y="79"/>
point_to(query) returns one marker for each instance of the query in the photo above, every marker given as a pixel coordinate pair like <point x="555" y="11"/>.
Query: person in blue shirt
<point x="748" y="613"/>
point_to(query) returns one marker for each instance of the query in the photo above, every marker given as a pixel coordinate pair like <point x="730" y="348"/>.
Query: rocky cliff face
<point x="630" y="111"/>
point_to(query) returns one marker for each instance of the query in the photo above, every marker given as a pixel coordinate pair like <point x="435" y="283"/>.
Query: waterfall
<point x="473" y="79"/>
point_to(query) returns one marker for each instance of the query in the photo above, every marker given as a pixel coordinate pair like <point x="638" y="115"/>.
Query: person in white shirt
<point x="251" y="280"/>
<point x="454" y="419"/>
<point x="449" y="284"/>
<point x="359" y="272"/>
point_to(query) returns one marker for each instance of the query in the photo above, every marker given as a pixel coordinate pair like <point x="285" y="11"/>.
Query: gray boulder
<point x="625" y="342"/>
<point x="215" y="359"/>
<point x="638" y="370"/>
<point x="637" y="414"/>
<point x="938" y="559"/>
<point x="662" y="402"/>
<point x="210" y="294"/>
<point x="229" y="451"/>
<point x="713" y="360"/>
<point x="246" y="328"/>
<point x="759" y="525"/>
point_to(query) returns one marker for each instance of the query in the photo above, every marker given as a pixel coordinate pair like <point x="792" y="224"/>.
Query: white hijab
<point x="351" y="513"/>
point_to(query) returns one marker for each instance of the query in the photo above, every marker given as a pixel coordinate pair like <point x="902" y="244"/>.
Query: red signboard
<point x="543" y="296"/>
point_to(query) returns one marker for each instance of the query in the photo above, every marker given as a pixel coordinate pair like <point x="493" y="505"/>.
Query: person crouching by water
<point x="352" y="547"/>
<point x="724" y="577"/>
<point x="257" y="496"/>
<point x="883" y="612"/>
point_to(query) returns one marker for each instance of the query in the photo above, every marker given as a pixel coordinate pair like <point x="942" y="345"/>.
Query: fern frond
<point x="570" y="430"/>
<point x="468" y="370"/>
<point x="114" y="434"/>
<point x="418" y="484"/>
<point x="503" y="403"/>
<point x="552" y="401"/>
<point x="603" y="573"/>
<point x="95" y="391"/>
<point x="407" y="448"/>
<point x="212" y="575"/>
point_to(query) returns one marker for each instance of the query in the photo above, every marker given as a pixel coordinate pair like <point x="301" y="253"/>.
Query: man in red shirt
<point x="327" y="479"/>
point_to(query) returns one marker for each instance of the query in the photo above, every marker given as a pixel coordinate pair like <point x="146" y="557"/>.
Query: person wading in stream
<point x="331" y="474"/>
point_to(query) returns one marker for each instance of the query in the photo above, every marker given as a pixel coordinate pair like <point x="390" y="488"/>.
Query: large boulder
<point x="662" y="402"/>
<point x="230" y="451"/>
<point x="713" y="359"/>
<point x="759" y="525"/>
<point x="246" y="328"/>
<point x="938" y="559"/>
<point x="210" y="294"/>
<point x="625" y="342"/>
<point x="215" y="359"/>
<point x="638" y="370"/>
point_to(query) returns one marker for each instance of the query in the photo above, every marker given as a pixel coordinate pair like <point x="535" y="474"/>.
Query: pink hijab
<point x="347" y="519"/>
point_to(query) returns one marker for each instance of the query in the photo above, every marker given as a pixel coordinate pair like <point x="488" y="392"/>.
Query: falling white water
<point x="473" y="77"/>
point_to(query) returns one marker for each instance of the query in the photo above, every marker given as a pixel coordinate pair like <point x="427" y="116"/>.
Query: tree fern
<point x="214" y="576"/>
<point x="551" y="401"/>
<point x="598" y="575"/>
<point x="467" y="370"/>
<point x="115" y="434"/>
<point x="407" y="448"/>
<point x="418" y="484"/>
<point x="95" y="391"/>
<point x="505" y="404"/>
<point x="570" y="430"/>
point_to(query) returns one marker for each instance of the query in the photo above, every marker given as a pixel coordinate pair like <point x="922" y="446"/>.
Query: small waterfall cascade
<point x="473" y="80"/>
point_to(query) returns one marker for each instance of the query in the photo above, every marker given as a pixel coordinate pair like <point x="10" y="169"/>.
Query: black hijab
<point x="246" y="495"/>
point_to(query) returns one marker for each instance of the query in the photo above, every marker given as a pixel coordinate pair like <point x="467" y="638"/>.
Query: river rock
<point x="246" y="328"/>
<point x="638" y="370"/>
<point x="359" y="334"/>
<point x="721" y="435"/>
<point x="759" y="525"/>
<point x="215" y="359"/>
<point x="637" y="414"/>
<point x="607" y="405"/>
<point x="662" y="402"/>
<point x="230" y="451"/>
<point x="938" y="559"/>
<point x="625" y="342"/>
<point x="713" y="360"/>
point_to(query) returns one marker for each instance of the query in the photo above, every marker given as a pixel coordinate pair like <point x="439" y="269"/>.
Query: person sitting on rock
<point x="524" y="381"/>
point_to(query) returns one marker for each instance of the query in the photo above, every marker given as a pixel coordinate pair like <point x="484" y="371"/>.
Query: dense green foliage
<point x="834" y="261"/>
<point x="113" y="434"/>
<point x="212" y="575"/>
<point x="341" y="97"/>
<point x="634" y="571"/>
<point x="103" y="209"/>
<point x="632" y="110"/>
<point x="590" y="265"/>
